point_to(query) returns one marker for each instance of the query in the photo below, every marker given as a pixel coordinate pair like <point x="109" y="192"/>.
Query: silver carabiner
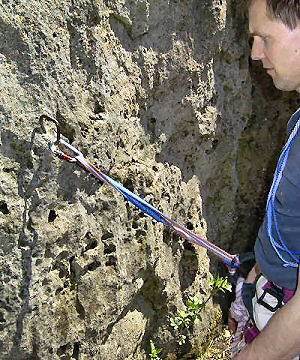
<point x="58" y="152"/>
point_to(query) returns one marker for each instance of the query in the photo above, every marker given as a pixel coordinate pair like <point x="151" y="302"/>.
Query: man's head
<point x="275" y="27"/>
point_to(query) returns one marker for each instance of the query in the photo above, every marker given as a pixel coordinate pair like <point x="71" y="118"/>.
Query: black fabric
<point x="248" y="292"/>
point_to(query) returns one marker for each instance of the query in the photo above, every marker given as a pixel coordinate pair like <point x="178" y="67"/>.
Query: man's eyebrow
<point x="255" y="33"/>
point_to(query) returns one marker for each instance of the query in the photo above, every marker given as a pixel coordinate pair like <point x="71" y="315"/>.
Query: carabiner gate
<point x="59" y="153"/>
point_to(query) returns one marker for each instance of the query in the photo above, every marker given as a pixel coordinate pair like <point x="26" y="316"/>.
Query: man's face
<point x="276" y="46"/>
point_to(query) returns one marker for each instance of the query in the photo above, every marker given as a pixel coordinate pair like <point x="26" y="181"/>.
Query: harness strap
<point x="264" y="299"/>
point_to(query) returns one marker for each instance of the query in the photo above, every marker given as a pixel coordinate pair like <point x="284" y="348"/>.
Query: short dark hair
<point x="288" y="11"/>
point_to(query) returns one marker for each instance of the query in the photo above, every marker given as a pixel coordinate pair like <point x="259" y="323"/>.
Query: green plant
<point x="154" y="354"/>
<point x="184" y="320"/>
<point x="181" y="321"/>
<point x="195" y="306"/>
<point x="219" y="284"/>
<point x="181" y="339"/>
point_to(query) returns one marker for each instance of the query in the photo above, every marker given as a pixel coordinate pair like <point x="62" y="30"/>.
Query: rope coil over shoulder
<point x="288" y="257"/>
<point x="232" y="261"/>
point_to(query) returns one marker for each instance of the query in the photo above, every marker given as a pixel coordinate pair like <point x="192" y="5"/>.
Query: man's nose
<point x="257" y="51"/>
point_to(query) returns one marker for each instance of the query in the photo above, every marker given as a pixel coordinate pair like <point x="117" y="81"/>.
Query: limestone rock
<point x="156" y="91"/>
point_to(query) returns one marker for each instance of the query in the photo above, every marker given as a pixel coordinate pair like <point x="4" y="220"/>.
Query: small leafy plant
<point x="186" y="319"/>
<point x="154" y="354"/>
<point x="219" y="284"/>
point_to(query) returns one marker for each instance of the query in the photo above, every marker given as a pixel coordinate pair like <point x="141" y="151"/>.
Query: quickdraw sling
<point x="232" y="261"/>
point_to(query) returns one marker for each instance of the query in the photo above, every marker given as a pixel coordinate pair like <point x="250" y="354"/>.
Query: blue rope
<point x="280" y="246"/>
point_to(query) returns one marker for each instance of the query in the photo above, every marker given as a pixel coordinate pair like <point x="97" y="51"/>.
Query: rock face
<point x="159" y="92"/>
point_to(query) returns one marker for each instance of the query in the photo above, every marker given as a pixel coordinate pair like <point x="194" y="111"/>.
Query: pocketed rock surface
<point x="157" y="92"/>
